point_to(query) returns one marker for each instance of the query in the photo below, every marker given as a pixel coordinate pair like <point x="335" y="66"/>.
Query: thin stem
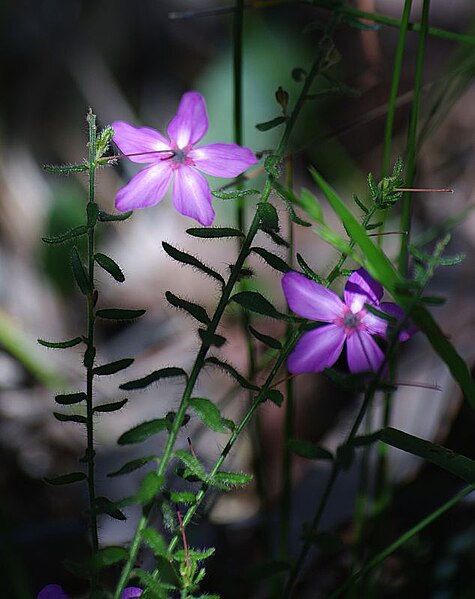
<point x="90" y="453"/>
<point x="403" y="539"/>
<point x="412" y="139"/>
<point x="288" y="429"/>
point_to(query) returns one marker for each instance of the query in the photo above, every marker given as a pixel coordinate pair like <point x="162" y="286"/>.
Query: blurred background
<point x="132" y="61"/>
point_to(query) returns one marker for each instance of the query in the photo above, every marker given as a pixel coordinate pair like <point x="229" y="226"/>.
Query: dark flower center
<point x="350" y="320"/>
<point x="179" y="156"/>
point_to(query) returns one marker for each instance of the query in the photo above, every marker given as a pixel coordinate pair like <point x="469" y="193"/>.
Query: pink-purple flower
<point x="348" y="322"/>
<point x="54" y="591"/>
<point x="179" y="159"/>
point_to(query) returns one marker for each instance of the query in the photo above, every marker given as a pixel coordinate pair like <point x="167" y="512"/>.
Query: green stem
<point x="90" y="345"/>
<point x="412" y="140"/>
<point x="403" y="539"/>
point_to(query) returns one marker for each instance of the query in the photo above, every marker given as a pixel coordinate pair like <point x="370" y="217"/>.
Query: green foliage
<point x="156" y="542"/>
<point x="113" y="367"/>
<point x="80" y="273"/>
<point x="266" y="339"/>
<point x="234" y="194"/>
<point x="271" y="124"/>
<point x="78" y="231"/>
<point x="232" y="372"/>
<point x="110" y="407"/>
<point x="103" y="141"/>
<point x="105" y="217"/>
<point x="311" y="274"/>
<point x="119" y="314"/>
<point x="195" y="310"/>
<point x="149" y="487"/>
<point x="190" y="260"/>
<point x="143" y="431"/>
<point x="272" y="165"/>
<point x="70" y="418"/>
<point x="153" y="377"/>
<point x="289" y="198"/>
<point x="310" y="205"/>
<point x="269" y="219"/>
<point x="309" y="450"/>
<point x="228" y="480"/>
<point x="110" y="266"/>
<point x="66" y="479"/>
<point x="272" y="259"/>
<point x="209" y="414"/>
<point x="256" y="302"/>
<point x="211" y="339"/>
<point x="214" y="232"/>
<point x="68" y="399"/>
<point x="274" y="395"/>
<point x="106" y="506"/>
<point x="192" y="463"/>
<point x="181" y="497"/>
<point x="61" y="344"/>
<point x="108" y="557"/>
<point x="133" y="465"/>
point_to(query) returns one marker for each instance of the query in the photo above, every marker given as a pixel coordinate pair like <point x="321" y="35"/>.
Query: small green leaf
<point x="195" y="310"/>
<point x="211" y="339"/>
<point x="70" y="418"/>
<point x="272" y="259"/>
<point x="149" y="487"/>
<point x="234" y="194"/>
<point x="72" y="234"/>
<point x="195" y="555"/>
<point x="233" y="372"/>
<point x="106" y="506"/>
<point x="275" y="396"/>
<point x="190" y="260"/>
<point x="270" y="341"/>
<point x="256" y="302"/>
<point x="65" y="169"/>
<point x="89" y="356"/>
<point x="360" y="204"/>
<point x="299" y="74"/>
<point x="61" y="344"/>
<point x="309" y="450"/>
<point x="111" y="407"/>
<point x="310" y="205"/>
<point x="103" y="141"/>
<point x="79" y="271"/>
<point x="153" y="377"/>
<point x="108" y="557"/>
<point x="308" y="271"/>
<point x="191" y="463"/>
<point x="110" y="266"/>
<point x="208" y="413"/>
<point x="433" y="300"/>
<point x="227" y="480"/>
<point x="268" y="215"/>
<point x="277" y="239"/>
<point x="113" y="367"/>
<point x="272" y="165"/>
<point x="271" y="124"/>
<point x="156" y="542"/>
<point x="182" y="497"/>
<point x="132" y="465"/>
<point x="66" y="479"/>
<point x="105" y="217"/>
<point x="214" y="232"/>
<point x="119" y="314"/>
<point x="92" y="210"/>
<point x="70" y="398"/>
<point x="143" y="431"/>
<point x="290" y="198"/>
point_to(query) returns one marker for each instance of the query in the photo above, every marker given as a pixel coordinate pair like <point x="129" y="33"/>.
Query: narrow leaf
<point x="290" y="198"/>
<point x="111" y="407"/>
<point x="113" y="367"/>
<point x="153" y="377"/>
<point x="310" y="205"/>
<point x="70" y="418"/>
<point x="108" y="557"/>
<point x="61" y="344"/>
<point x="106" y="506"/>
<point x="72" y="234"/>
<point x="155" y="541"/>
<point x="270" y="341"/>
<point x="311" y="274"/>
<point x="195" y="310"/>
<point x="143" y="431"/>
<point x="119" y="314"/>
<point x="233" y="372"/>
<point x="214" y="232"/>
<point x="182" y="497"/>
<point x="208" y="413"/>
<point x="271" y="124"/>
<point x="70" y="398"/>
<point x="149" y="487"/>
<point x="132" y="465"/>
<point x="211" y="339"/>
<point x="309" y="450"/>
<point x="234" y="194"/>
<point x="256" y="302"/>
<point x="79" y="271"/>
<point x="105" y="217"/>
<point x="268" y="215"/>
<point x="226" y="480"/>
<point x="272" y="259"/>
<point x="66" y="479"/>
<point x="191" y="463"/>
<point x="110" y="266"/>
<point x="191" y="261"/>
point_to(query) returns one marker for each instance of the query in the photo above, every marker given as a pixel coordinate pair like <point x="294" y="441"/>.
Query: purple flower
<point x="54" y="591"/>
<point x="348" y="322"/>
<point x="179" y="158"/>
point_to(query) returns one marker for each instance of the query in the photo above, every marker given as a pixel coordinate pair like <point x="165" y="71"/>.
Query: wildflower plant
<point x="319" y="325"/>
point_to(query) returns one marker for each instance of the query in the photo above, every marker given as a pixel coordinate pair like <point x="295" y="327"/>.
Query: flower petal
<point x="190" y="123"/>
<point x="398" y="313"/>
<point x="131" y="592"/>
<point x="310" y="299"/>
<point x="317" y="349"/>
<point x="374" y="325"/>
<point x="147" y="188"/>
<point x="222" y="160"/>
<point x="137" y="140"/>
<point x="361" y="289"/>
<point x="52" y="591"/>
<point x="362" y="352"/>
<point x="192" y="195"/>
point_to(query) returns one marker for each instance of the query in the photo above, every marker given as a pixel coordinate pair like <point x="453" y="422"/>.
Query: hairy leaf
<point x="108" y="557"/>
<point x="132" y="465"/>
<point x="143" y="431"/>
<point x="113" y="367"/>
<point x="211" y="339"/>
<point x="195" y="310"/>
<point x="270" y="341"/>
<point x="63" y="238"/>
<point x="234" y="194"/>
<point x="68" y="399"/>
<point x="70" y="418"/>
<point x="192" y="463"/>
<point x="208" y="413"/>
<point x="256" y="302"/>
<point x="111" y="407"/>
<point x="233" y="372"/>
<point x="155" y="541"/>
<point x="309" y="450"/>
<point x="153" y="377"/>
<point x="105" y="217"/>
<point x="61" y="344"/>
<point x="271" y="124"/>
<point x="185" y="258"/>
<point x="268" y="216"/>
<point x="119" y="314"/>
<point x="79" y="271"/>
<point x="214" y="232"/>
<point x="110" y="266"/>
<point x="66" y="479"/>
<point x="272" y="259"/>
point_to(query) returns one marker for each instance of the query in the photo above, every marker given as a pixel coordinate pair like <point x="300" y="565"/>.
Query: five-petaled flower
<point x="348" y="322"/>
<point x="178" y="158"/>
<point x="54" y="591"/>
